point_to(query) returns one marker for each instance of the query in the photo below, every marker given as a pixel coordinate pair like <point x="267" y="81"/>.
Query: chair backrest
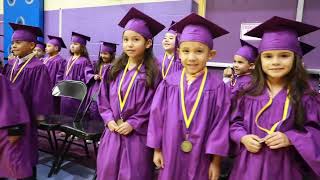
<point x="70" y="88"/>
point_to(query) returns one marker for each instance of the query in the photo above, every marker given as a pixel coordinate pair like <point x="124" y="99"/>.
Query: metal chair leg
<point x="50" y="140"/>
<point x="86" y="148"/>
<point x="57" y="156"/>
<point x="62" y="155"/>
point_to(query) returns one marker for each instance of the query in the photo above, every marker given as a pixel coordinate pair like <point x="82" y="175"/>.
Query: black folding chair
<point x="82" y="128"/>
<point x="51" y="123"/>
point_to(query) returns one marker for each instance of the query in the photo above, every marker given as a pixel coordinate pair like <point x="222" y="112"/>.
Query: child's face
<point x="75" y="47"/>
<point x="134" y="45"/>
<point x="194" y="56"/>
<point x="276" y="64"/>
<point x="241" y="65"/>
<point x="106" y="57"/>
<point x="50" y="48"/>
<point x="168" y="42"/>
<point x="22" y="48"/>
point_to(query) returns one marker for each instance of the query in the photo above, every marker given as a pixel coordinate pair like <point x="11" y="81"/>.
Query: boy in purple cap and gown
<point x="189" y="117"/>
<point x="124" y="102"/>
<point x="39" y="50"/>
<point x="276" y="123"/>
<point x="170" y="62"/>
<point x="106" y="57"/>
<point x="243" y="64"/>
<point x="14" y="126"/>
<point x="76" y="68"/>
<point x="30" y="75"/>
<point x="56" y="64"/>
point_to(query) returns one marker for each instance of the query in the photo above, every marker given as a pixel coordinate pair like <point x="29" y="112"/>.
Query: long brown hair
<point x="296" y="79"/>
<point x="100" y="61"/>
<point x="83" y="51"/>
<point x="148" y="60"/>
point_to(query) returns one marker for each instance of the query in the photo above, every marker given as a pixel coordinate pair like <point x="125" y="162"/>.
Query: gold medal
<point x="186" y="146"/>
<point x="119" y="122"/>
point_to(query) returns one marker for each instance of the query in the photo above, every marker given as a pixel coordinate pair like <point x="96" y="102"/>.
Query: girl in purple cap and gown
<point x="170" y="61"/>
<point x="56" y="65"/>
<point x="77" y="67"/>
<point x="276" y="123"/>
<point x="106" y="57"/>
<point x="15" y="161"/>
<point x="31" y="77"/>
<point x="39" y="50"/>
<point x="189" y="117"/>
<point x="124" y="103"/>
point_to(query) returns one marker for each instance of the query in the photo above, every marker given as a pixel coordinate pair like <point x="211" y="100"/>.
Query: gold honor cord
<point x="20" y="70"/>
<point x="284" y="115"/>
<point x="123" y="102"/>
<point x="164" y="74"/>
<point x="48" y="59"/>
<point x="69" y="66"/>
<point x="189" y="119"/>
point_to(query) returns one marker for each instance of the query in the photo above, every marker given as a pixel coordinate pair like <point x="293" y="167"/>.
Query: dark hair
<point x="83" y="51"/>
<point x="100" y="61"/>
<point x="297" y="80"/>
<point x="148" y="60"/>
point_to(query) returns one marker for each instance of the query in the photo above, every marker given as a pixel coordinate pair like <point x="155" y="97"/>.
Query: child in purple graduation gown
<point x="189" y="117"/>
<point x="15" y="161"/>
<point x="76" y="68"/>
<point x="39" y="50"/>
<point x="106" y="57"/>
<point x="31" y="77"/>
<point x="243" y="65"/>
<point x="56" y="64"/>
<point x="276" y="123"/>
<point x="124" y="103"/>
<point x="170" y="61"/>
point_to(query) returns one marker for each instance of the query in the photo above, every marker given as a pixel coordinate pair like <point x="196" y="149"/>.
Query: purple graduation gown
<point x="56" y="67"/>
<point x="93" y="86"/>
<point x="241" y="83"/>
<point x="175" y="66"/>
<point x="35" y="86"/>
<point x="208" y="130"/>
<point x="15" y="159"/>
<point x="78" y="73"/>
<point x="125" y="157"/>
<point x="285" y="163"/>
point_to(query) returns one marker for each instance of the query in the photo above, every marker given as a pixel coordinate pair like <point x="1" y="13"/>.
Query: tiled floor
<point x="69" y="171"/>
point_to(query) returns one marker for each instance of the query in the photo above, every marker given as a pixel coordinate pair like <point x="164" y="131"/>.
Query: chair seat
<point x="52" y="122"/>
<point x="87" y="129"/>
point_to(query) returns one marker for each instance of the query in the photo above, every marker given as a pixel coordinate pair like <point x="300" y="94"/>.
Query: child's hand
<point x="13" y="139"/>
<point x="112" y="125"/>
<point x="277" y="140"/>
<point x="125" y="128"/>
<point x="158" y="159"/>
<point x="214" y="169"/>
<point x="251" y="142"/>
<point x="227" y="72"/>
<point x="96" y="77"/>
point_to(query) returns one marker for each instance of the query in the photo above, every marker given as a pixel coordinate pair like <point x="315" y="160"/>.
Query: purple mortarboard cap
<point x="141" y="23"/>
<point x="305" y="48"/>
<point x="41" y="45"/>
<point x="108" y="47"/>
<point x="56" y="41"/>
<point x="247" y="51"/>
<point x="170" y="30"/>
<point x="281" y="34"/>
<point x="25" y="32"/>
<point x="198" y="29"/>
<point x="79" y="38"/>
